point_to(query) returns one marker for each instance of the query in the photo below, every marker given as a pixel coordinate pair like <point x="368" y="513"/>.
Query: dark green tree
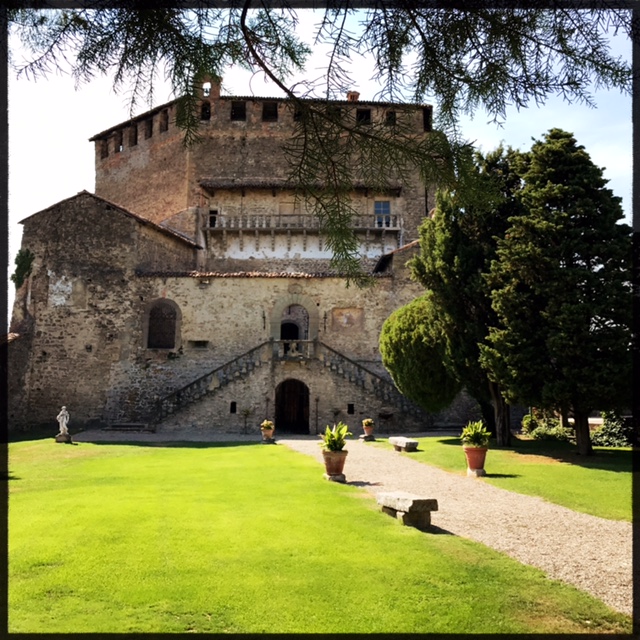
<point x="461" y="59"/>
<point x="414" y="351"/>
<point x="458" y="244"/>
<point x="560" y="287"/>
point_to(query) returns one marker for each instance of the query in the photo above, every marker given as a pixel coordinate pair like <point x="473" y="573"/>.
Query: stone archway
<point x="292" y="407"/>
<point x="304" y="313"/>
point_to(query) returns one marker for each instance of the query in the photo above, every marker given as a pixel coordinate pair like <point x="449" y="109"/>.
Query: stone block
<point x="63" y="437"/>
<point x="400" y="443"/>
<point x="406" y="502"/>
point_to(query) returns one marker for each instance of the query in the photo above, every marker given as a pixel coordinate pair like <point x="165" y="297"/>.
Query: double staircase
<point x="244" y="365"/>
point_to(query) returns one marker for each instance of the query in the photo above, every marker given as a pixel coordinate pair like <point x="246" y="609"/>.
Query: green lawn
<point x="599" y="485"/>
<point x="248" y="539"/>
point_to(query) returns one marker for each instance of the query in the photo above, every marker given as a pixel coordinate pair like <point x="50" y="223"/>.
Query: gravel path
<point x="590" y="553"/>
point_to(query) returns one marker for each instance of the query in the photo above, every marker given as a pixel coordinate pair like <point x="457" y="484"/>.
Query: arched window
<point x="205" y="111"/>
<point x="162" y="325"/>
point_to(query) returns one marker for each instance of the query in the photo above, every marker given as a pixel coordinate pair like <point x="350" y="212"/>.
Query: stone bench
<point x="404" y="444"/>
<point x="410" y="509"/>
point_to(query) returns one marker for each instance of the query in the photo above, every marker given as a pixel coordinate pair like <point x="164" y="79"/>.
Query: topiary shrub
<point x="614" y="432"/>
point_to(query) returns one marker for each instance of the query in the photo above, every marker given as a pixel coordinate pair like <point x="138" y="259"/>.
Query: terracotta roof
<point x="242" y="274"/>
<point x="126" y="212"/>
<point x="279" y="183"/>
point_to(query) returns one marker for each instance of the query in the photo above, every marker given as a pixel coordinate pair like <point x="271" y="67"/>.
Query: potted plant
<point x="475" y="440"/>
<point x="267" y="427"/>
<point x="367" y="425"/>
<point x="333" y="443"/>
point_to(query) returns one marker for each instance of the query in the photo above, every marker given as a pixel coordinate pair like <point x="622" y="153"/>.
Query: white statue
<point x="63" y="420"/>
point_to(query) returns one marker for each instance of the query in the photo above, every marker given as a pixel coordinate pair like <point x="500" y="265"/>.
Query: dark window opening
<point x="351" y="409"/>
<point x="164" y="120"/>
<point x="297" y="115"/>
<point x="213" y="217"/>
<point x="238" y="110"/>
<point x="148" y="128"/>
<point x="269" y="111"/>
<point x="133" y="135"/>
<point x="363" y="116"/>
<point x="427" y="118"/>
<point x="233" y="407"/>
<point x="104" y="148"/>
<point x="162" y="327"/>
<point x="118" y="142"/>
<point x="205" y="111"/>
<point x="198" y="344"/>
<point x="390" y="118"/>
<point x="334" y="112"/>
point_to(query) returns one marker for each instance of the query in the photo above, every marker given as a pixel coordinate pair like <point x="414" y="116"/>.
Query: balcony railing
<point x="297" y="221"/>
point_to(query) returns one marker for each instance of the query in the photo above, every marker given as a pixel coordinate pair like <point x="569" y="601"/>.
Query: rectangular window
<point x="104" y="148"/>
<point x="233" y="407"/>
<point x="164" y="120"/>
<point x="199" y="344"/>
<point x="238" y="110"/>
<point x="213" y="217"/>
<point x="148" y="128"/>
<point x="382" y="212"/>
<point x="427" y="118"/>
<point x="133" y="135"/>
<point x="117" y="147"/>
<point x="351" y="409"/>
<point x="363" y="116"/>
<point x="269" y="111"/>
<point x="390" y="118"/>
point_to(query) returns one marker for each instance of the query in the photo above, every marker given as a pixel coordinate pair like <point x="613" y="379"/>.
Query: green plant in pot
<point x="367" y="425"/>
<point x="267" y="427"/>
<point x="475" y="441"/>
<point x="333" y="443"/>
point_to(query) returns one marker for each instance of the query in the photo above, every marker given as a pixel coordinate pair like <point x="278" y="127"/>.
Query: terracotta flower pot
<point x="334" y="462"/>
<point x="368" y="431"/>
<point x="267" y="434"/>
<point x="475" y="460"/>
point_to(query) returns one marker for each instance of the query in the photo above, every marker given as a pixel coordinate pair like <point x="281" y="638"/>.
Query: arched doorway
<point x="292" y="407"/>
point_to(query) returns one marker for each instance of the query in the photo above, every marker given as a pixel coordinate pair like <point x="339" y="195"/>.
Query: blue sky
<point x="51" y="121"/>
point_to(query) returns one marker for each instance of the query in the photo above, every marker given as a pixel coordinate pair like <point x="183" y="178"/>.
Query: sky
<point x="51" y="121"/>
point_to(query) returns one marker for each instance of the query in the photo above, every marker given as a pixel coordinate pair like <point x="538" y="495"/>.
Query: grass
<point x="599" y="485"/>
<point x="248" y="539"/>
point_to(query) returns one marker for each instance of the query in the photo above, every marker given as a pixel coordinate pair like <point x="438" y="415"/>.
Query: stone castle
<point x="194" y="288"/>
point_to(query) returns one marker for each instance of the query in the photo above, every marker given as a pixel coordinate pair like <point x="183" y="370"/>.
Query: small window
<point x="148" y="128"/>
<point x="133" y="135"/>
<point x="199" y="344"/>
<point x="427" y="118"/>
<point x="164" y="120"/>
<point x="205" y="111"/>
<point x="206" y="89"/>
<point x="233" y="407"/>
<point x="297" y="115"/>
<point x="351" y="409"/>
<point x="269" y="111"/>
<point x="238" y="110"/>
<point x="363" y="116"/>
<point x="104" y="148"/>
<point x="213" y="217"/>
<point x="117" y="147"/>
<point x="382" y="212"/>
<point x="390" y="118"/>
<point x="334" y="112"/>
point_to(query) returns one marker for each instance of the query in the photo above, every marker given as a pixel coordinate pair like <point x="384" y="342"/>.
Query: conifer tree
<point x="560" y="288"/>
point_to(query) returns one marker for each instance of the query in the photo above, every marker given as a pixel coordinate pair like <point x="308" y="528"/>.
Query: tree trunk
<point x="502" y="418"/>
<point x="583" y="437"/>
<point x="488" y="415"/>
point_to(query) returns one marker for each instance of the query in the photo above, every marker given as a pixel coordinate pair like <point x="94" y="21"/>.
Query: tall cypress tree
<point x="561" y="290"/>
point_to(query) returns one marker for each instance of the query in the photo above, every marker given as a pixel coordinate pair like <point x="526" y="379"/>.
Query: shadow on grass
<point x="503" y="475"/>
<point x="361" y="483"/>
<point x="176" y="444"/>
<point x="619" y="460"/>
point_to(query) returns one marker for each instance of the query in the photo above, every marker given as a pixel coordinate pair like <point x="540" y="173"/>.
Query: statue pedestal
<point x="63" y="437"/>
